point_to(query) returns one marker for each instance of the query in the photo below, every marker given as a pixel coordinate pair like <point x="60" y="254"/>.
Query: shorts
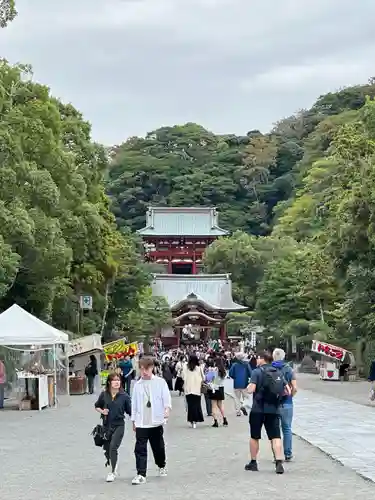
<point x="271" y="422"/>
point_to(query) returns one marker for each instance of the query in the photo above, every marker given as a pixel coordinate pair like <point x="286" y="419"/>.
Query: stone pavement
<point x="343" y="423"/>
<point x="342" y="429"/>
<point x="50" y="455"/>
<point x="357" y="392"/>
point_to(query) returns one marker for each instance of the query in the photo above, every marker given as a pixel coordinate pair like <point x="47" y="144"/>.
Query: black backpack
<point x="273" y="385"/>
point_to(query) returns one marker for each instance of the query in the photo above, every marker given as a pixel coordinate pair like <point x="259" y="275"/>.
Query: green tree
<point x="238" y="256"/>
<point x="8" y="266"/>
<point x="333" y="208"/>
<point x="58" y="236"/>
<point x="151" y="316"/>
<point x="7" y="12"/>
<point x="297" y="285"/>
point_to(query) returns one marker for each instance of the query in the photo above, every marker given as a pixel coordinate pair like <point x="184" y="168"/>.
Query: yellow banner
<point x="118" y="349"/>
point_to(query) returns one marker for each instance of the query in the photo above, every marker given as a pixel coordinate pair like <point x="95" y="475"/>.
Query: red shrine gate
<point x="176" y="238"/>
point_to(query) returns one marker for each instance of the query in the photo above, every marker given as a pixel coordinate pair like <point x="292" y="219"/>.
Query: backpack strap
<point x="106" y="399"/>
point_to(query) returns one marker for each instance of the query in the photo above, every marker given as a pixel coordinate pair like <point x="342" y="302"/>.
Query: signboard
<point x="85" y="301"/>
<point x="118" y="349"/>
<point x="331" y="351"/>
<point x="253" y="340"/>
<point x="85" y="344"/>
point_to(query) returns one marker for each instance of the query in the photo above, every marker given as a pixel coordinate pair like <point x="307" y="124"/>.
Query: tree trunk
<point x="321" y="311"/>
<point x="106" y="307"/>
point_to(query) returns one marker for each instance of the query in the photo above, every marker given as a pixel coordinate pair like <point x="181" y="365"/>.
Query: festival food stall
<point x="332" y="357"/>
<point x="115" y="351"/>
<point x="35" y="360"/>
<point x="79" y="352"/>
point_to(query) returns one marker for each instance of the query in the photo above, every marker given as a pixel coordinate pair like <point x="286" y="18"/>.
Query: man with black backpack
<point x="269" y="388"/>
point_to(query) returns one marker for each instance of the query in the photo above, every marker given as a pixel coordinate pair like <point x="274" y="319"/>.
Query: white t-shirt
<point x="147" y="410"/>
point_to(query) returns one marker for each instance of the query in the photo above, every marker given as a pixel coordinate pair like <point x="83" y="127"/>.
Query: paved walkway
<point x="50" y="455"/>
<point x="343" y="422"/>
<point x="357" y="392"/>
<point x="342" y="429"/>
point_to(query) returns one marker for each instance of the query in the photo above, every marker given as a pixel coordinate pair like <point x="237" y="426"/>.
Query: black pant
<point x="128" y="383"/>
<point x="208" y="405"/>
<point x="155" y="436"/>
<point x="90" y="383"/>
<point x="112" y="445"/>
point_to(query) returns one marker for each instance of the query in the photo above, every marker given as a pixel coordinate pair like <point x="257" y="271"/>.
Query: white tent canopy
<point x="18" y="327"/>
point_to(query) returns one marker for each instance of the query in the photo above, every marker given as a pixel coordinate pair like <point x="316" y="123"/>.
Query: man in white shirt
<point x="151" y="405"/>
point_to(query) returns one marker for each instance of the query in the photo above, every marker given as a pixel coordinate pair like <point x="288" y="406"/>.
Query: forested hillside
<point x="58" y="238"/>
<point x="299" y="201"/>
<point x="313" y="276"/>
<point x="244" y="176"/>
<point x="187" y="165"/>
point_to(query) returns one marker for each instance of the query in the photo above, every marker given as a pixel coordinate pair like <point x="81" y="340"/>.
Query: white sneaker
<point x="111" y="477"/>
<point x="163" y="472"/>
<point x="194" y="425"/>
<point x="139" y="479"/>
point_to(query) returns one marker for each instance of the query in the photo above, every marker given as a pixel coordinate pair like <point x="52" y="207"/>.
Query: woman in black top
<point x="167" y="373"/>
<point x="112" y="404"/>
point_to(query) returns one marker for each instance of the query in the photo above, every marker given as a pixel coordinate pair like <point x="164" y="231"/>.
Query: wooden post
<point x="194" y="266"/>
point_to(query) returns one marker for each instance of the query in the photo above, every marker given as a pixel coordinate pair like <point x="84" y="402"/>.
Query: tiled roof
<point x="215" y="290"/>
<point x="182" y="221"/>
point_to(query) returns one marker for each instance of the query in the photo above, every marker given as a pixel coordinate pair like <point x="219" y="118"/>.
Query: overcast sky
<point x="231" y="65"/>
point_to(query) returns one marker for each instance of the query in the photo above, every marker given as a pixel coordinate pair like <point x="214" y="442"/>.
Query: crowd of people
<point x="263" y="387"/>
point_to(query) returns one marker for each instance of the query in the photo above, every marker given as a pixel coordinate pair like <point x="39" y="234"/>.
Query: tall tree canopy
<point x="313" y="276"/>
<point x="58" y="238"/>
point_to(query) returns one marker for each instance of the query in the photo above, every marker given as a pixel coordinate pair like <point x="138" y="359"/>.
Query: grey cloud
<point x="231" y="65"/>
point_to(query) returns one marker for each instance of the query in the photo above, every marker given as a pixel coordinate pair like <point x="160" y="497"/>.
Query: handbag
<point x="100" y="431"/>
<point x="99" y="435"/>
<point x="205" y="388"/>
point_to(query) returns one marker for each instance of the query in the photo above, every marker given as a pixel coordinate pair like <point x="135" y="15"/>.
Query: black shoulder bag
<point x="100" y="432"/>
